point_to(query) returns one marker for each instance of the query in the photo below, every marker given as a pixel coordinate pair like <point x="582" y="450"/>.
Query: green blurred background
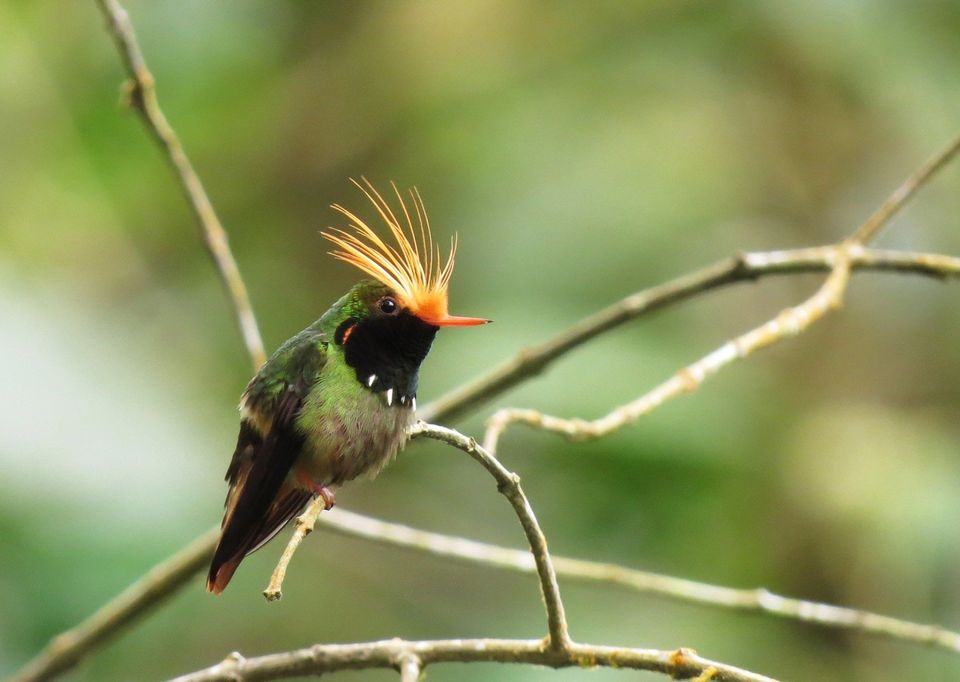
<point x="582" y="150"/>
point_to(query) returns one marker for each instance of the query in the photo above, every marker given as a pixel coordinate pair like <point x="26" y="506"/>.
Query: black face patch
<point x="385" y="351"/>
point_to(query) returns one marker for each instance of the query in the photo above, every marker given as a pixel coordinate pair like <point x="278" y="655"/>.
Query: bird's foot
<point x="318" y="491"/>
<point x="328" y="498"/>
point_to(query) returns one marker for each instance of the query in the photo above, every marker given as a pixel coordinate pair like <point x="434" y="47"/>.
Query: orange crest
<point x="414" y="269"/>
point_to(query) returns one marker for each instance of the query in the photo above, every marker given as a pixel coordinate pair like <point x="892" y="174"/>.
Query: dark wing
<point x="259" y="503"/>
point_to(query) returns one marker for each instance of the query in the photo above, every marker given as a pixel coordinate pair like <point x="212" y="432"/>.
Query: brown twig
<point x="790" y="322"/>
<point x="745" y="267"/>
<point x="840" y="257"/>
<point x="759" y="600"/>
<point x="410" y="667"/>
<point x="142" y="97"/>
<point x="508" y="484"/>
<point x="902" y="195"/>
<point x="327" y="658"/>
<point x="305" y="523"/>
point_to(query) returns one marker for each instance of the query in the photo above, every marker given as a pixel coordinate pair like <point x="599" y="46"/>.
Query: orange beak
<point x="455" y="321"/>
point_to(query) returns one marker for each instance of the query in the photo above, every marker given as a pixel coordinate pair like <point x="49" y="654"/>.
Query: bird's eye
<point x="388" y="306"/>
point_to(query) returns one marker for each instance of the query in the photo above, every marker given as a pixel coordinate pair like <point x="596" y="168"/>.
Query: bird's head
<point x="386" y="324"/>
<point x="412" y="271"/>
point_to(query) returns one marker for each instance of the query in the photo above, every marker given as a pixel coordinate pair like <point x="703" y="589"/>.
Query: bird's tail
<point x="238" y="541"/>
<point x="220" y="574"/>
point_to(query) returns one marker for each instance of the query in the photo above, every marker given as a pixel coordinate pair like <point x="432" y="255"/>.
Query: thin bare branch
<point x="745" y="267"/>
<point x="821" y="259"/>
<point x="319" y="659"/>
<point x="410" y="667"/>
<point x="789" y="322"/>
<point x="840" y="258"/>
<point x="902" y="195"/>
<point x="758" y="600"/>
<point x="508" y="484"/>
<point x="142" y="97"/>
<point x="305" y="524"/>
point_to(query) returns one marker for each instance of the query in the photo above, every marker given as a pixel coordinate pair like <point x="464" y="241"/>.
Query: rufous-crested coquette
<point x="335" y="401"/>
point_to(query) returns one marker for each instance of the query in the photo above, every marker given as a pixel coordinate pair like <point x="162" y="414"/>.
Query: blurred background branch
<point x="163" y="580"/>
<point x="789" y="322"/>
<point x="758" y="599"/>
<point x="141" y="93"/>
<point x="745" y="267"/>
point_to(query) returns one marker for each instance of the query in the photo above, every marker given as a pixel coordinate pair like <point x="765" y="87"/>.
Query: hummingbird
<point x="335" y="401"/>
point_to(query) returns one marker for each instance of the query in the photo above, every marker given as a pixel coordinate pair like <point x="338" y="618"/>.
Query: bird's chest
<point x="350" y="430"/>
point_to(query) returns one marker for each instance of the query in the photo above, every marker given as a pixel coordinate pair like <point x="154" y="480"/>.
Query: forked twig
<point x="681" y="664"/>
<point x="744" y="267"/>
<point x="790" y="322"/>
<point x="508" y="484"/>
<point x="841" y="258"/>
<point x="759" y="600"/>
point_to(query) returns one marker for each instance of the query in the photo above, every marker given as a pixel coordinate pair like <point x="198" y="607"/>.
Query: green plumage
<point x="330" y="404"/>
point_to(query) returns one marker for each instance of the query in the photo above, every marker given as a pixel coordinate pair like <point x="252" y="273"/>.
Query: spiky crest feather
<point x="414" y="269"/>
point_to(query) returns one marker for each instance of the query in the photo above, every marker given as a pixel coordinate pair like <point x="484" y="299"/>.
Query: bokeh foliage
<point x="582" y="150"/>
